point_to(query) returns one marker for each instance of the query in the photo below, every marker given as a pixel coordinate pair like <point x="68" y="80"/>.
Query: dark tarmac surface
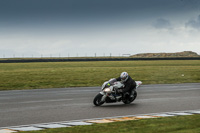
<point x="23" y="107"/>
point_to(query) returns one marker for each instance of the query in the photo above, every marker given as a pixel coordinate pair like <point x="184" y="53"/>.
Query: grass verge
<point x="15" y="76"/>
<point x="177" y="124"/>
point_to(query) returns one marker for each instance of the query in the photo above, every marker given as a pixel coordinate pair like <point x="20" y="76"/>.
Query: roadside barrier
<point x="92" y="59"/>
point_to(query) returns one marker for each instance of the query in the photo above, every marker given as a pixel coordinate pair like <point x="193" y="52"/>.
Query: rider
<point x="129" y="84"/>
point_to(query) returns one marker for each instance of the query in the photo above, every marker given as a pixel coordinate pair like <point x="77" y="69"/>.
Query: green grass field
<point x="15" y="76"/>
<point x="176" y="124"/>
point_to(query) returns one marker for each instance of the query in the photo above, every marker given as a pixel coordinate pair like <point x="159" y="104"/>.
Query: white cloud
<point x="166" y="36"/>
<point x="33" y="46"/>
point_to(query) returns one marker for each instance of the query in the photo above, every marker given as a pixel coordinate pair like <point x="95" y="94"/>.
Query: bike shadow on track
<point x="117" y="105"/>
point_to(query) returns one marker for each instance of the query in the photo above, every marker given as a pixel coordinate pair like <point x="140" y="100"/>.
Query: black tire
<point x="97" y="100"/>
<point x="130" y="100"/>
<point x="134" y="97"/>
<point x="126" y="98"/>
<point x="126" y="101"/>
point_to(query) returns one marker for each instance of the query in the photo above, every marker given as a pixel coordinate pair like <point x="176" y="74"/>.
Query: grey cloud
<point x="194" y="23"/>
<point x="162" y="24"/>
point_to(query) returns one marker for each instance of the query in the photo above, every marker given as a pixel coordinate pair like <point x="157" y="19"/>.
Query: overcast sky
<point x="85" y="27"/>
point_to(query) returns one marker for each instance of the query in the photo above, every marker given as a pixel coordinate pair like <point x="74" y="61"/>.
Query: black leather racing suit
<point x="129" y="85"/>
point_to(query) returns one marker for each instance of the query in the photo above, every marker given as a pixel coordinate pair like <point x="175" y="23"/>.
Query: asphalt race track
<point x="64" y="104"/>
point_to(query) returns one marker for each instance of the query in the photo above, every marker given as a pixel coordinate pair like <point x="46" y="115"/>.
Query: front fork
<point x="103" y="99"/>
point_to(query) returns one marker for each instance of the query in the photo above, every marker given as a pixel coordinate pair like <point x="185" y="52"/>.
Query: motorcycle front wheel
<point x="97" y="100"/>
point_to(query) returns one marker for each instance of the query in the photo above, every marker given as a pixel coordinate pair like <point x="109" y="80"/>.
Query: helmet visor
<point x="123" y="78"/>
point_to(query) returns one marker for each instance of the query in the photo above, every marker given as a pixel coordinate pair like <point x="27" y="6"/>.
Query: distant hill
<point x="178" y="54"/>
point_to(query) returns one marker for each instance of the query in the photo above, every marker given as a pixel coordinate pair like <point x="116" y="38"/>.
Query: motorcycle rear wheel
<point x="134" y="96"/>
<point x="130" y="100"/>
<point x="97" y="100"/>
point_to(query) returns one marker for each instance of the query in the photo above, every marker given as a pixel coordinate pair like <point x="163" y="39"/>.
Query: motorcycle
<point x="109" y="93"/>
